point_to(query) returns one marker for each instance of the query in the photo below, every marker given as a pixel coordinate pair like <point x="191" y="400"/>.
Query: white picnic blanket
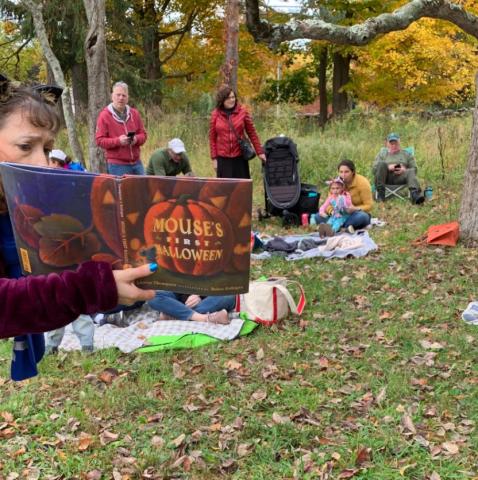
<point x="135" y="336"/>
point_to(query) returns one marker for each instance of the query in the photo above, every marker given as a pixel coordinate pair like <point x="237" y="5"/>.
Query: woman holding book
<point x="28" y="125"/>
<point x="230" y="121"/>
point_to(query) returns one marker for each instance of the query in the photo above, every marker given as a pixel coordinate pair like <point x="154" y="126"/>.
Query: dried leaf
<point x="178" y="372"/>
<point x="260" y="354"/>
<point x="259" y="395"/>
<point x="431" y="345"/>
<point x="364" y="454"/>
<point x="407" y="422"/>
<point x="229" y="466"/>
<point x="178" y="441"/>
<point x="348" y="473"/>
<point x="157" y="417"/>
<point x="108" y="375"/>
<point x="108" y="437"/>
<point x="280" y="419"/>
<point x="450" y="447"/>
<point x="381" y="396"/>
<point x="157" y="441"/>
<point x="435" y="476"/>
<point x="406" y="467"/>
<point x="244" y="449"/>
<point x="7" y="416"/>
<point x="233" y="365"/>
<point x="85" y="441"/>
<point x="94" y="475"/>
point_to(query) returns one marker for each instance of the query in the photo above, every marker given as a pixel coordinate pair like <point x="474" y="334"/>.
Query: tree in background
<point x="429" y="63"/>
<point x="98" y="77"/>
<point x="36" y="11"/>
<point x="231" y="58"/>
<point x="65" y="26"/>
<point x="144" y="36"/>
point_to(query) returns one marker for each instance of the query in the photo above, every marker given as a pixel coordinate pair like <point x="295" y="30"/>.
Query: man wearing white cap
<point x="169" y="162"/>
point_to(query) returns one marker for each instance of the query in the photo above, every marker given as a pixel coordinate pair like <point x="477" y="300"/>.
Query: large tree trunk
<point x="37" y="15"/>
<point x="469" y="200"/>
<point x="79" y="84"/>
<point x="341" y="77"/>
<point x="229" y="69"/>
<point x="322" y="76"/>
<point x="98" y="76"/>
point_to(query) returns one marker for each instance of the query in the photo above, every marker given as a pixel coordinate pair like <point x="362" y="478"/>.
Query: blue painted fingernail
<point x="153" y="267"/>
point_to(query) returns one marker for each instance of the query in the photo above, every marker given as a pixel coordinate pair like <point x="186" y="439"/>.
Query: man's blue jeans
<point x="126" y="169"/>
<point x="358" y="219"/>
<point x="168" y="303"/>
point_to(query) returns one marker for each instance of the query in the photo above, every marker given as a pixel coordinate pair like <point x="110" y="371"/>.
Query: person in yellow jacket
<point x="362" y="200"/>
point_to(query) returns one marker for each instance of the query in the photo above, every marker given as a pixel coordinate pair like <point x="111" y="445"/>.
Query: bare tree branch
<point x="184" y="29"/>
<point x="17" y="52"/>
<point x="362" y="33"/>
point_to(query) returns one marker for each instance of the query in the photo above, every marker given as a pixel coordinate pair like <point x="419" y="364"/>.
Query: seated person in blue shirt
<point x="169" y="162"/>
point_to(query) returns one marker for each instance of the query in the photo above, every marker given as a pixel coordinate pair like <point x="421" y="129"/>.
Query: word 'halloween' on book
<point x="198" y="230"/>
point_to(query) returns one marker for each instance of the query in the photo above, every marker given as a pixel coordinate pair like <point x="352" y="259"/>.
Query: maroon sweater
<point x="41" y="303"/>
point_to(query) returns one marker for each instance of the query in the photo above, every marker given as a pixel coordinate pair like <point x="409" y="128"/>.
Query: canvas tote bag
<point x="268" y="301"/>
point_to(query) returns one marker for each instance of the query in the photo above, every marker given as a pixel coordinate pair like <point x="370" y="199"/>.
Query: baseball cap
<point x="393" y="136"/>
<point x="58" y="155"/>
<point x="176" y="145"/>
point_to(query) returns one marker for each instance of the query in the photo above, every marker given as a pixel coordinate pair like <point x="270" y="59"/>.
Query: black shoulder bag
<point x="248" y="153"/>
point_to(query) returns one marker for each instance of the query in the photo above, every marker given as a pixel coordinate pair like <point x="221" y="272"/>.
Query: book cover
<point x="196" y="229"/>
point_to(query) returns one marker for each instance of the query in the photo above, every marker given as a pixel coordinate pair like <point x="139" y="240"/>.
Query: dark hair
<point x="347" y="163"/>
<point x="222" y="94"/>
<point x="40" y="107"/>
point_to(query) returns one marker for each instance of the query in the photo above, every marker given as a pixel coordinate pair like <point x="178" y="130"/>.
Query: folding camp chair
<point x="399" y="191"/>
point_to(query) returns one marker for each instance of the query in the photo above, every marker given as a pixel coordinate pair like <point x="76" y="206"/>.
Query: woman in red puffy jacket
<point x="230" y="120"/>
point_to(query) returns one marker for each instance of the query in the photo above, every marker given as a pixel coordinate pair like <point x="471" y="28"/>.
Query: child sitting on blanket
<point x="334" y="207"/>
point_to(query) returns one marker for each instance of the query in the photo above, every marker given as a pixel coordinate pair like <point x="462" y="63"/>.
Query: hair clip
<point x="335" y="180"/>
<point x="51" y="93"/>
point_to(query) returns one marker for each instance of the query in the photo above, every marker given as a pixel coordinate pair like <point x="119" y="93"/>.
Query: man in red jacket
<point x="120" y="132"/>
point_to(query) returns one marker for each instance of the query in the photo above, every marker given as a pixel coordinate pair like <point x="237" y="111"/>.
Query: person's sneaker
<point x="51" y="350"/>
<point x="87" y="348"/>
<point x="351" y="229"/>
<point x="220" y="318"/>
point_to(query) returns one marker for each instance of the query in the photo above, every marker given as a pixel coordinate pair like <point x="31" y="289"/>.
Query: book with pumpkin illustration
<point x="198" y="230"/>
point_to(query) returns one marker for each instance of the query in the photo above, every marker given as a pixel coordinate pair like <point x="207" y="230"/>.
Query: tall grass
<point x="356" y="136"/>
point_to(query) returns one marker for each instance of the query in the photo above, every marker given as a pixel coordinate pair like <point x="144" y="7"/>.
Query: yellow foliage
<point x="432" y="61"/>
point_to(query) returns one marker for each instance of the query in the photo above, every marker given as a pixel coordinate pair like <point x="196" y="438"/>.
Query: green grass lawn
<point x="377" y="380"/>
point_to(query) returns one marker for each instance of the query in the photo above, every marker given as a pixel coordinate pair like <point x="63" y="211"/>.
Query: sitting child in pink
<point x="335" y="206"/>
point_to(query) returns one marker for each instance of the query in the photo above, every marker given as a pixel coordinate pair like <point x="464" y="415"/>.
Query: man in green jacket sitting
<point x="394" y="166"/>
<point x="169" y="162"/>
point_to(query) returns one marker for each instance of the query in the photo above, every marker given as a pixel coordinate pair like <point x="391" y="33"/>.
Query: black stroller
<point x="284" y="195"/>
